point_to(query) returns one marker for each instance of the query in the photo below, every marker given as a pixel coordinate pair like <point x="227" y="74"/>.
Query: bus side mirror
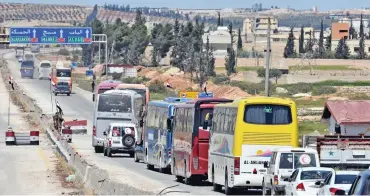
<point x="169" y="123"/>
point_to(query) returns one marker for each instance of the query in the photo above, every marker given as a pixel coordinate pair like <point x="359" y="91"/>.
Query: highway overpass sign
<point x="50" y="35"/>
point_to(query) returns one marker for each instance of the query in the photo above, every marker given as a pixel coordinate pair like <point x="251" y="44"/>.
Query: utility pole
<point x="267" y="68"/>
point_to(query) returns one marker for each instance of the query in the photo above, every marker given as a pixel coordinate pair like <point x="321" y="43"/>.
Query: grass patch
<point x="324" y="67"/>
<point x="305" y="103"/>
<point x="246" y="68"/>
<point x="306" y="127"/>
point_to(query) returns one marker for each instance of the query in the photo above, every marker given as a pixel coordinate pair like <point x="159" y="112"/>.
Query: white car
<point x="337" y="180"/>
<point x="306" y="181"/>
<point x="120" y="139"/>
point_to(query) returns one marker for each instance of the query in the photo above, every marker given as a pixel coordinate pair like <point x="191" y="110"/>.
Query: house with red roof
<point x="349" y="117"/>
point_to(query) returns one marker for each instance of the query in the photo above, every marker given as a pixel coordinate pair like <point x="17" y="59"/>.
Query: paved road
<point x="25" y="169"/>
<point x="80" y="106"/>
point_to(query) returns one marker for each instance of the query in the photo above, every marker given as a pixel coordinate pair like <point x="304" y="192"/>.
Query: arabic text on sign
<point x="20" y="39"/>
<point x="254" y="162"/>
<point x="21" y="33"/>
<point x="49" y="39"/>
<point x="75" y="39"/>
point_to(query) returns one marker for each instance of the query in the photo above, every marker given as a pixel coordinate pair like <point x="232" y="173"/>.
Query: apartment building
<point x="259" y="25"/>
<point x="339" y="31"/>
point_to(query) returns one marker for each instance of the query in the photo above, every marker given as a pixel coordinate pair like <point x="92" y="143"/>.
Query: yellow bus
<point x="243" y="134"/>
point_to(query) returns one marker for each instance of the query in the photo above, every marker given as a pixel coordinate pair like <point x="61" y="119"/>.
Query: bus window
<point x="115" y="103"/>
<point x="268" y="114"/>
<point x="141" y="92"/>
<point x="203" y="114"/>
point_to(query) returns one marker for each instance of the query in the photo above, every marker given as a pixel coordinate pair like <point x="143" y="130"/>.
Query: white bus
<point x="115" y="106"/>
<point x="44" y="69"/>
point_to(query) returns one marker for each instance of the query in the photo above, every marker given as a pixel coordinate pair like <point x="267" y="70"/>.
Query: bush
<point x="63" y="52"/>
<point x="298" y="88"/>
<point x="157" y="87"/>
<point x="220" y="79"/>
<point x="135" y="80"/>
<point x="324" y="90"/>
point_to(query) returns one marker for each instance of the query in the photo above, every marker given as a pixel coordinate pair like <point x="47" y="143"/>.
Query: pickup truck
<point x="62" y="88"/>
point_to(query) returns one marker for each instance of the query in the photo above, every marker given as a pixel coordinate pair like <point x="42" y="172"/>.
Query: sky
<point x="322" y="5"/>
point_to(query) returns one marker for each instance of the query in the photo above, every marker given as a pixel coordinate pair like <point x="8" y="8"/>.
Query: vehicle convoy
<point x="190" y="139"/>
<point x="44" y="69"/>
<point x="115" y="106"/>
<point x="242" y="137"/>
<point x="338" y="180"/>
<point x="61" y="75"/>
<point x="158" y="133"/>
<point x="306" y="181"/>
<point x="120" y="138"/>
<point x="27" y="69"/>
<point x="282" y="164"/>
<point x="105" y="86"/>
<point x="62" y="88"/>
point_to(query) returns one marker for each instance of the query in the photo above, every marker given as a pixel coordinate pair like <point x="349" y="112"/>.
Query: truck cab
<point x="282" y="164"/>
<point x="62" y="88"/>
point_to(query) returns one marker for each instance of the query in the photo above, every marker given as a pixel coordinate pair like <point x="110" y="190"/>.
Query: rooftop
<point x="348" y="112"/>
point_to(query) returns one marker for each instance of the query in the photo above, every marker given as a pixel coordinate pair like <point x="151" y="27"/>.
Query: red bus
<point x="190" y="140"/>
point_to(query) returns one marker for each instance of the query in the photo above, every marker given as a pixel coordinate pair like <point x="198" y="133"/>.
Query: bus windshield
<point x="45" y="65"/>
<point x="27" y="64"/>
<point x="141" y="92"/>
<point x="267" y="114"/>
<point x="115" y="103"/>
<point x="63" y="73"/>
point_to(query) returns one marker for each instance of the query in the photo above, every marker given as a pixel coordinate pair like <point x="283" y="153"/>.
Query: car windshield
<point x="344" y="178"/>
<point x="297" y="160"/>
<point x="27" y="64"/>
<point x="314" y="174"/>
<point x="45" y="65"/>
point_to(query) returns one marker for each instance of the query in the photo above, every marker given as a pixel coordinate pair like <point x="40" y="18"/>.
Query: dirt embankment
<point x="181" y="81"/>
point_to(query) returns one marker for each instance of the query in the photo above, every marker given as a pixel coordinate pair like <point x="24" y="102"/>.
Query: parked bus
<point x="61" y="75"/>
<point x="190" y="139"/>
<point x="27" y="69"/>
<point x="105" y="86"/>
<point x="115" y="106"/>
<point x="158" y="133"/>
<point x="44" y="69"/>
<point x="242" y="136"/>
<point x="139" y="88"/>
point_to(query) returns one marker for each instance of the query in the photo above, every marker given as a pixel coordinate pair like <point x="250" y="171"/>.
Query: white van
<point x="282" y="164"/>
<point x="44" y="69"/>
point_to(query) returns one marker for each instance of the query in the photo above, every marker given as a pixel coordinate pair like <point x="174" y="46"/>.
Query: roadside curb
<point x="93" y="178"/>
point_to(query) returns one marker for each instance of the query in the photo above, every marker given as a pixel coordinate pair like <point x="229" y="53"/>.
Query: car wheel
<point x="136" y="159"/>
<point x="56" y="94"/>
<point x="109" y="152"/>
<point x="68" y="94"/>
<point x="104" y="151"/>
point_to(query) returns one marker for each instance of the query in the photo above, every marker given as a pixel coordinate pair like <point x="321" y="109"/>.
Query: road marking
<point x="44" y="158"/>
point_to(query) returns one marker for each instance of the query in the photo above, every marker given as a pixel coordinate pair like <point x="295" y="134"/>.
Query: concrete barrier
<point x="92" y="177"/>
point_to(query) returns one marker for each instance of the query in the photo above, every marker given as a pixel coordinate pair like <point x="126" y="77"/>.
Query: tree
<point x="361" y="27"/>
<point x="342" y="51"/>
<point x="210" y="60"/>
<point x="321" y="40"/>
<point x="219" y="19"/>
<point x="289" y="48"/>
<point x="328" y="43"/>
<point x="351" y="31"/>
<point x="274" y="73"/>
<point x="240" y="42"/>
<point x="162" y="38"/>
<point x="309" y="44"/>
<point x="361" y="50"/>
<point x="301" y="41"/>
<point x="230" y="58"/>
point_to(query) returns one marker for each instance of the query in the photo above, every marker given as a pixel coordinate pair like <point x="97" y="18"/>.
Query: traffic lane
<point x="78" y="106"/>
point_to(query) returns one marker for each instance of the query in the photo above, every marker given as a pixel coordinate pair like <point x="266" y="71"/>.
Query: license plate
<point x="358" y="152"/>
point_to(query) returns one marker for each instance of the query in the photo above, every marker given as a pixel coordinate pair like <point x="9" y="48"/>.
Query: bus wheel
<point x="150" y="167"/>
<point x="179" y="178"/>
<point x="216" y="187"/>
<point x="68" y="94"/>
<point x="228" y="190"/>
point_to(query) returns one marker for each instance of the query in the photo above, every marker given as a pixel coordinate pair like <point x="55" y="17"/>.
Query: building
<point x="259" y="25"/>
<point x="339" y="31"/>
<point x="219" y="40"/>
<point x="4" y="37"/>
<point x="356" y="23"/>
<point x="348" y="117"/>
<point x="353" y="45"/>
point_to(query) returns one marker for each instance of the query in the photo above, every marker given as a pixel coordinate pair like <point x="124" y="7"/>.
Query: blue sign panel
<point x="50" y="35"/>
<point x="204" y="95"/>
<point x="89" y="73"/>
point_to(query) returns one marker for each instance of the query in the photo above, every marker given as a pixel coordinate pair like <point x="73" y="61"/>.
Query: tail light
<point x="276" y="180"/>
<point x="254" y="171"/>
<point x="236" y="165"/>
<point x="332" y="191"/>
<point x="300" y="187"/>
<point x="34" y="133"/>
<point x="195" y="162"/>
<point x="9" y="134"/>
<point x="94" y="131"/>
<point x="110" y="142"/>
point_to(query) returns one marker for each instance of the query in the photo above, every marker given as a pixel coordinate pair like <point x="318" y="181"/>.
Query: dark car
<point x="360" y="186"/>
<point x="62" y="88"/>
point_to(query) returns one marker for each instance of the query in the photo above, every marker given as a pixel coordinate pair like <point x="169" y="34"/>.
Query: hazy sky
<point x="297" y="4"/>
